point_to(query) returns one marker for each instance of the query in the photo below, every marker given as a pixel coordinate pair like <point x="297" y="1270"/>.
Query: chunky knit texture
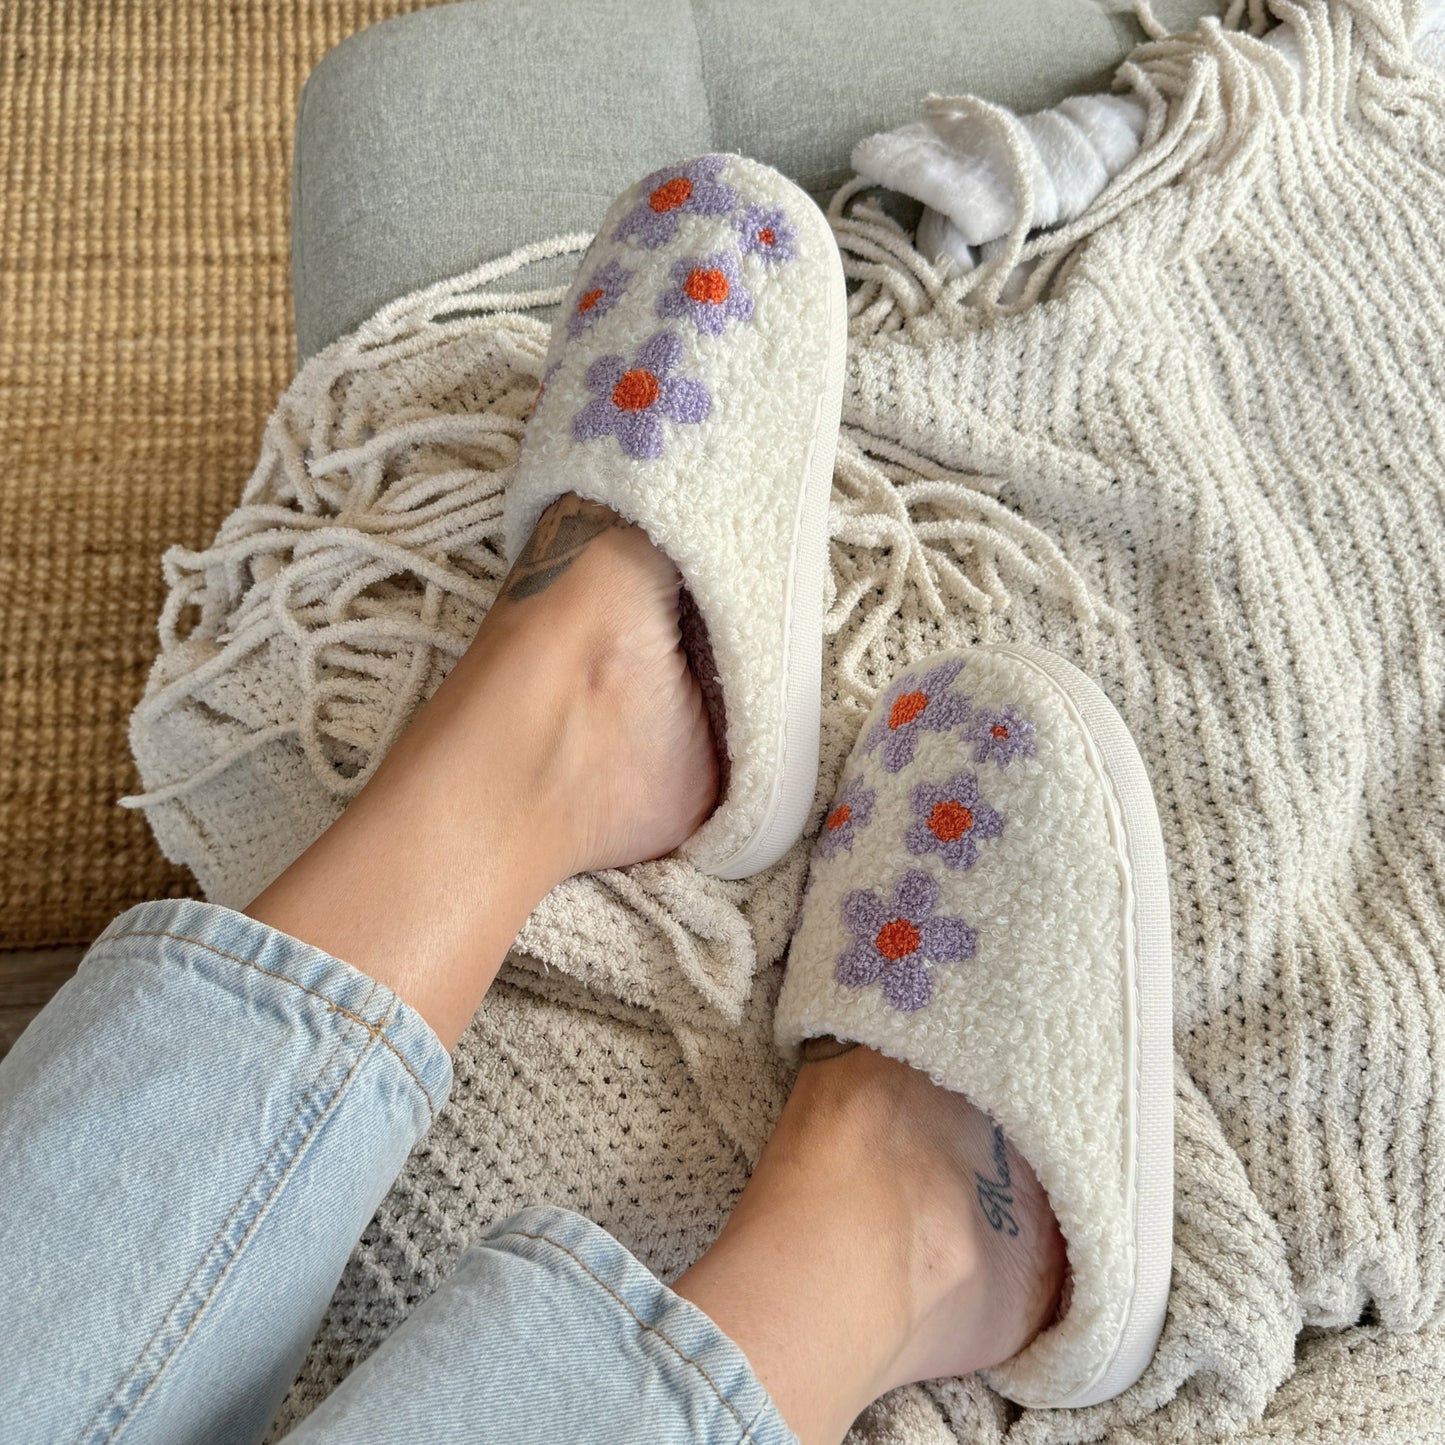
<point x="1203" y="457"/>
<point x="962" y="158"/>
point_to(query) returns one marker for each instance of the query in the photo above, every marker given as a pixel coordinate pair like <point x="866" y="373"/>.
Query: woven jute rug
<point x="145" y="331"/>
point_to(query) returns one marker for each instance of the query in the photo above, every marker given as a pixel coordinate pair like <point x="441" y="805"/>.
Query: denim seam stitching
<point x="768" y="1405"/>
<point x="642" y="1324"/>
<point x="375" y="1030"/>
<point x="255" y="1218"/>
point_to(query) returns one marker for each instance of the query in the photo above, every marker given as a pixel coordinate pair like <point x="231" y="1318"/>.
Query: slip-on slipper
<point x="693" y="384"/>
<point x="988" y="902"/>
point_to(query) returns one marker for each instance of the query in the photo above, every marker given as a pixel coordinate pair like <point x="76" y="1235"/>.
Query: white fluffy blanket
<point x="1202" y="455"/>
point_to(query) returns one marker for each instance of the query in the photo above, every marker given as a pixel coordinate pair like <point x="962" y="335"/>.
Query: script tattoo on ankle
<point x="995" y="1196"/>
<point x="564" y="529"/>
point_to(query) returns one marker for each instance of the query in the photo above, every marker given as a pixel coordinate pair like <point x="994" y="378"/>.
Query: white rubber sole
<point x="796" y="748"/>
<point x="1148" y="1019"/>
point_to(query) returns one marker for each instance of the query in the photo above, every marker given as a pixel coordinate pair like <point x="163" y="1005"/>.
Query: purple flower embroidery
<point x="913" y="707"/>
<point x="951" y="820"/>
<point x="767" y="232"/>
<point x="680" y="190"/>
<point x="709" y="290"/>
<point x="599" y="295"/>
<point x="1002" y="735"/>
<point x="851" y="811"/>
<point x="897" y="940"/>
<point x="629" y="402"/>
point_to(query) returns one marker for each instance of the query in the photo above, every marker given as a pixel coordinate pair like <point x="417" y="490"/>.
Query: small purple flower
<point x="897" y="940"/>
<point x="709" y="290"/>
<point x="851" y="811"/>
<point x="951" y="820"/>
<point x="602" y="291"/>
<point x="679" y="190"/>
<point x="629" y="402"/>
<point x="913" y="707"/>
<point x="767" y="232"/>
<point x="1003" y="735"/>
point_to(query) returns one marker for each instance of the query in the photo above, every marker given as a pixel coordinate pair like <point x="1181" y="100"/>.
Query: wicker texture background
<point x="145" y="332"/>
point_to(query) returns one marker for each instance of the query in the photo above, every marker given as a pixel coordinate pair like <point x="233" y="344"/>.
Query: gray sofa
<point x="435" y="141"/>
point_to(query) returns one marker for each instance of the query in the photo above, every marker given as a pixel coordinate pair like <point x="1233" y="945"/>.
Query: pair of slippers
<point x="988" y="899"/>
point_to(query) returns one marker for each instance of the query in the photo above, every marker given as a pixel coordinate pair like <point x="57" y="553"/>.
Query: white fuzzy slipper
<point x="989" y="903"/>
<point x="694" y="384"/>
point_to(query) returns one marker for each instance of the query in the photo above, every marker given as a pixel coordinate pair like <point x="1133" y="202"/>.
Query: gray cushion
<point x="443" y="138"/>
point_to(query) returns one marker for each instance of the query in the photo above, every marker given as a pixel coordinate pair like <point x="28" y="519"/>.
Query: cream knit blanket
<point x="1203" y="457"/>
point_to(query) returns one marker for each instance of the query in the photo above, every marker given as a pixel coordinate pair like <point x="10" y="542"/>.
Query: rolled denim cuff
<point x="251" y="958"/>
<point x="549" y="1330"/>
<point x="195" y="1131"/>
<point x="705" y="1388"/>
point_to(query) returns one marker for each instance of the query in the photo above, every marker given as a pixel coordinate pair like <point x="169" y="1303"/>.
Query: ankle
<point x="988" y="1220"/>
<point x="426" y="878"/>
<point x="804" y="1279"/>
<point x="864" y="1107"/>
<point x="635" y="770"/>
<point x="862" y="1255"/>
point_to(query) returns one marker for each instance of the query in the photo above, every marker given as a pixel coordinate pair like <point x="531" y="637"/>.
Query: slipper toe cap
<point x="974" y="909"/>
<point x="693" y="384"/>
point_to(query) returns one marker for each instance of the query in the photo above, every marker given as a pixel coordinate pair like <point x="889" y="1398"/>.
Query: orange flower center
<point x="766" y="236"/>
<point x="670" y="195"/>
<point x="907" y="708"/>
<point x="897" y="939"/>
<point x="590" y="300"/>
<point x="636" y="391"/>
<point x="708" y="286"/>
<point x="1000" y="731"/>
<point x="950" y="820"/>
<point x="839" y="816"/>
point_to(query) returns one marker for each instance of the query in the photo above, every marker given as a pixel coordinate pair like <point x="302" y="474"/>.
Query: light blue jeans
<point x="193" y="1134"/>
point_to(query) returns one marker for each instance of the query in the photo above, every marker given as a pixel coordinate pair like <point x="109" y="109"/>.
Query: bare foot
<point x="569" y="736"/>
<point x="646" y="750"/>
<point x="889" y="1234"/>
<point x="990" y="1230"/>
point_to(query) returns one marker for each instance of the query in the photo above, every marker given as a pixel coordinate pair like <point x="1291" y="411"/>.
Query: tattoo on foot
<point x="995" y="1196"/>
<point x="565" y="528"/>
